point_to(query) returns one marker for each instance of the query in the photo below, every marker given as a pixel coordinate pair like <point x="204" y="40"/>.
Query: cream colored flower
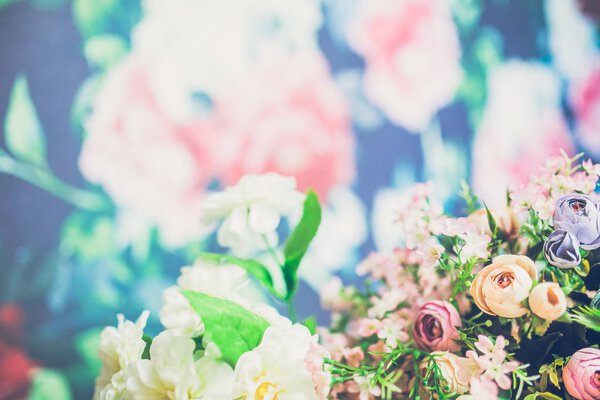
<point x="456" y="371"/>
<point x="499" y="288"/>
<point x="505" y="218"/>
<point x="548" y="301"/>
<point x="277" y="368"/>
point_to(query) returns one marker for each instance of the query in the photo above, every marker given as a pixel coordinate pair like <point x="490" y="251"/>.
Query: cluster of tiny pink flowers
<point x="557" y="178"/>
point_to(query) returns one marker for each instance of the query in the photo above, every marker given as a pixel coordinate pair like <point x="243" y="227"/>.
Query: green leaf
<point x="234" y="329"/>
<point x="49" y="385"/>
<point x="254" y="268"/>
<point x="299" y="240"/>
<point x="22" y="129"/>
<point x="491" y="222"/>
<point x="148" y="340"/>
<point x="311" y="324"/>
<point x="87" y="343"/>
<point x="588" y="317"/>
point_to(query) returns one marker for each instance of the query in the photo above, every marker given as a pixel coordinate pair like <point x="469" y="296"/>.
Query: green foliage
<point x="234" y="329"/>
<point x="49" y="385"/>
<point x="311" y="324"/>
<point x="87" y="343"/>
<point x="299" y="240"/>
<point x="469" y="196"/>
<point x="91" y="15"/>
<point x="22" y="129"/>
<point x="148" y="340"/>
<point x="588" y="317"/>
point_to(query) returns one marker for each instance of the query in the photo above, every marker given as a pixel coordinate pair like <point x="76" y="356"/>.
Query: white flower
<point x="251" y="210"/>
<point x="172" y="373"/>
<point x="119" y="347"/>
<point x="219" y="281"/>
<point x="277" y="368"/>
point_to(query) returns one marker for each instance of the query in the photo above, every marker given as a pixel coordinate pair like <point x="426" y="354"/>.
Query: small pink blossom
<point x="363" y="387"/>
<point x="368" y="327"/>
<point x="393" y="331"/>
<point x="354" y="356"/>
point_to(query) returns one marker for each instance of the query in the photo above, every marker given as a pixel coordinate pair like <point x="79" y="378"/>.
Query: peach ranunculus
<point x="287" y="117"/>
<point x="499" y="288"/>
<point x="404" y="44"/>
<point x="150" y="166"/>
<point x="548" y="301"/>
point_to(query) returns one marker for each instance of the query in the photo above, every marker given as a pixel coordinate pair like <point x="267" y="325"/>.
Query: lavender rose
<point x="435" y="326"/>
<point x="581" y="375"/>
<point x="562" y="249"/>
<point x="579" y="214"/>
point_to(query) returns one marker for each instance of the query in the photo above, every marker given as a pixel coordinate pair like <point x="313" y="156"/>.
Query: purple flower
<point x="579" y="214"/>
<point x="562" y="249"/>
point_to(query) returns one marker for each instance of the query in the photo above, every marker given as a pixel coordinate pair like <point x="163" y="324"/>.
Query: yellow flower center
<point x="262" y="391"/>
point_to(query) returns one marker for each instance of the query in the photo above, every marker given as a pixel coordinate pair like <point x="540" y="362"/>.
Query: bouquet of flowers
<point x="502" y="303"/>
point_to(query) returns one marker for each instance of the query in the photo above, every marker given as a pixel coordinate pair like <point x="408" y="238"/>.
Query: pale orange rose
<point x="548" y="301"/>
<point x="501" y="286"/>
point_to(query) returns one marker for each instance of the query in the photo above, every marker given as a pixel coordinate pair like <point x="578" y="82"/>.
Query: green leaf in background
<point x="253" y="267"/>
<point x="299" y="240"/>
<point x="234" y="329"/>
<point x="49" y="385"/>
<point x="22" y="129"/>
<point x="87" y="343"/>
<point x="491" y="222"/>
<point x="91" y="16"/>
<point x="104" y="51"/>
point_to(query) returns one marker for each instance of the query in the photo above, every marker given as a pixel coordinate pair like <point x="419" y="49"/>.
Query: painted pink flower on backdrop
<point x="585" y="100"/>
<point x="522" y="126"/>
<point x="287" y="117"/>
<point x="150" y="166"/>
<point x="412" y="54"/>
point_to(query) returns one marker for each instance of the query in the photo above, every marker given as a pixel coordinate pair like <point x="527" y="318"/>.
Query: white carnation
<point x="277" y="369"/>
<point x="119" y="348"/>
<point x="173" y="373"/>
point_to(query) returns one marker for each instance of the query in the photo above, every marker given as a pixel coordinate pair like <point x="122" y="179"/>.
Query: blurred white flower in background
<point x="226" y="281"/>
<point x="405" y="44"/>
<point x="522" y="126"/>
<point x="251" y="211"/>
<point x="174" y="373"/>
<point x="197" y="46"/>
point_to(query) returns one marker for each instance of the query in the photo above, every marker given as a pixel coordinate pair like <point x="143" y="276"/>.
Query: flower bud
<point x="548" y="301"/>
<point x="562" y="249"/>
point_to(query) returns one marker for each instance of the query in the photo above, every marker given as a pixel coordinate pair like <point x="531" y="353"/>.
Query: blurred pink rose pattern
<point x="140" y="108"/>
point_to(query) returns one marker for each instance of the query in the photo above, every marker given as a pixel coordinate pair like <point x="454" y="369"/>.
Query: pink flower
<point x="368" y="327"/>
<point x="315" y="365"/>
<point x="295" y="123"/>
<point x="435" y="327"/>
<point x="581" y="375"/>
<point x="404" y="44"/>
<point x="483" y="388"/>
<point x="150" y="166"/>
<point x="585" y="99"/>
<point x="354" y="356"/>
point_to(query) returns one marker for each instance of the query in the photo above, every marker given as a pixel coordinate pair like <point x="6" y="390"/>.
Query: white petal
<point x="263" y="219"/>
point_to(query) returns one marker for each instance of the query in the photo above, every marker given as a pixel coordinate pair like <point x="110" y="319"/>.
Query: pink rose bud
<point x="581" y="375"/>
<point x="436" y="326"/>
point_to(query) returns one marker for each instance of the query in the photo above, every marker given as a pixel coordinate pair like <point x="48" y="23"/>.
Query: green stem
<point x="44" y="179"/>
<point x="291" y="308"/>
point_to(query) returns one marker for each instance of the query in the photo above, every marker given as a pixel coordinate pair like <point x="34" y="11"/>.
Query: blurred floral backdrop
<point x="118" y="117"/>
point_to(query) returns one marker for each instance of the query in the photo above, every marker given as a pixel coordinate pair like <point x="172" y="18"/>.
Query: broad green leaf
<point x="49" y="385"/>
<point x="254" y="268"/>
<point x="491" y="221"/>
<point x="105" y="51"/>
<point x="234" y="329"/>
<point x="299" y="240"/>
<point x="22" y="129"/>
